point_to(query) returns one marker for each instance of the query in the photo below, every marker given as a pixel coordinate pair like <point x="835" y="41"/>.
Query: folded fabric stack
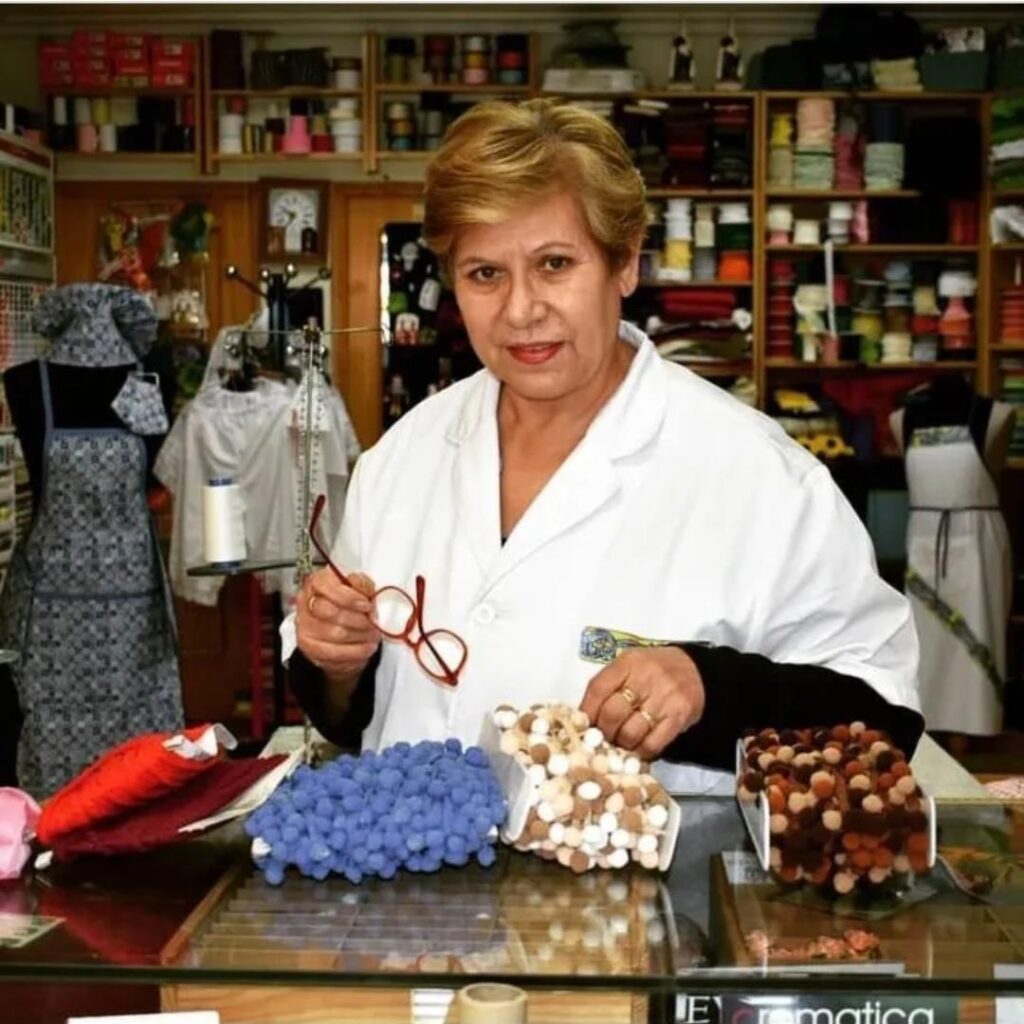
<point x="687" y="145"/>
<point x="896" y="75"/>
<point x="781" y="282"/>
<point x="814" y="162"/>
<point x="1006" y="157"/>
<point x="897" y="341"/>
<point x="696" y="304"/>
<point x="734" y="239"/>
<point x="884" y="156"/>
<point x="701" y="325"/>
<point x="925" y="323"/>
<point x="849" y="147"/>
<point x="731" y="132"/>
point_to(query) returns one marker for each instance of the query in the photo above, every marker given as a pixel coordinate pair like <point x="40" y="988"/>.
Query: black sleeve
<point x="749" y="691"/>
<point x="308" y="682"/>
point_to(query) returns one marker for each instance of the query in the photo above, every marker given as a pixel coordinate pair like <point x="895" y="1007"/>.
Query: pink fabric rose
<point x="18" y="816"/>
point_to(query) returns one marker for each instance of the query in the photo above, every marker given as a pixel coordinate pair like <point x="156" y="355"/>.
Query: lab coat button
<point x="484" y="615"/>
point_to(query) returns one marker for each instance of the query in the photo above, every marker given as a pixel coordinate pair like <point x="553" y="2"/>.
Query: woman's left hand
<point x="645" y="698"/>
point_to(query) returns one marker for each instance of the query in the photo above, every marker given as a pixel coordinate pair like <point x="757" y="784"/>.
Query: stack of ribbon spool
<point x="897" y="341"/>
<point x="346" y="72"/>
<point x="884" y="157"/>
<point x="781" y="281"/>
<point x="849" y="154"/>
<point x="399" y="52"/>
<point x="814" y="164"/>
<point x="840" y="216"/>
<point x="730" y="145"/>
<point x="687" y="145"/>
<point x="867" y="317"/>
<point x="705" y="264"/>
<point x="1011" y="311"/>
<point x="230" y="125"/>
<point x="297" y="139"/>
<point x="438" y="58"/>
<point x="780" y="224"/>
<point x="400" y="126"/>
<point x="346" y="125"/>
<point x="512" y="59"/>
<point x="811" y="302"/>
<point x="956" y="325"/>
<point x="925" y="324"/>
<point x="677" y="257"/>
<point x="476" y="60"/>
<point x="734" y="239"/>
<point x="780" y="151"/>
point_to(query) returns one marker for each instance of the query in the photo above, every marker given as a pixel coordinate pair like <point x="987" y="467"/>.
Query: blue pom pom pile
<point x="413" y="807"/>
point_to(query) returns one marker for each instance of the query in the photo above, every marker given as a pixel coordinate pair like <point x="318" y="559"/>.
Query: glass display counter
<point x="714" y="939"/>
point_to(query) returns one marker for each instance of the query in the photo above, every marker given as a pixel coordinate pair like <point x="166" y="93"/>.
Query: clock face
<point x="294" y="209"/>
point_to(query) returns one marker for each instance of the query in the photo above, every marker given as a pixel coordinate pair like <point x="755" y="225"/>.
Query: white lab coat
<point x="681" y="515"/>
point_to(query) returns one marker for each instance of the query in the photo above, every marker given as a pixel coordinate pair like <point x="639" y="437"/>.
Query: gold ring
<point x="651" y="720"/>
<point x="628" y="695"/>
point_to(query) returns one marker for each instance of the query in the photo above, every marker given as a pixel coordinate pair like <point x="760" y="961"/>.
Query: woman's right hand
<point x="333" y="628"/>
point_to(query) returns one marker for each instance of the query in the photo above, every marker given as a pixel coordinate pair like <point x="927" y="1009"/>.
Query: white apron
<point x="959" y="581"/>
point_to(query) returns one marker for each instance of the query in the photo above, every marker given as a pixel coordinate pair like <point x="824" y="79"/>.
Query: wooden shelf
<point x="696" y="95"/>
<point x="840" y="193"/>
<point x="700" y="193"/>
<point x="846" y="367"/>
<point x="1008" y="247"/>
<point x="876" y="94"/>
<point x="128" y="156"/>
<point x="1008" y="350"/>
<point x="292" y="92"/>
<point x="1015" y="462"/>
<point x="406" y="154"/>
<point x="731" y="369"/>
<point x="491" y="89"/>
<point x="121" y="90"/>
<point x="35" y="250"/>
<point x="654" y="282"/>
<point x="259" y="158"/>
<point x="882" y="248"/>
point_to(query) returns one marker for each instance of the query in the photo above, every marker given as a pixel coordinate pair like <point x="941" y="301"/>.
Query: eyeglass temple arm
<point x="421" y="593"/>
<point x="314" y="520"/>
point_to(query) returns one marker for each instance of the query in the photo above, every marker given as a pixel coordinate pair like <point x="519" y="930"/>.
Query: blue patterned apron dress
<point x="87" y="606"/>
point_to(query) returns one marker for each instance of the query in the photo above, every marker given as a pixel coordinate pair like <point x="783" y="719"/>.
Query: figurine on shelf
<point x="729" y="74"/>
<point x="682" y="67"/>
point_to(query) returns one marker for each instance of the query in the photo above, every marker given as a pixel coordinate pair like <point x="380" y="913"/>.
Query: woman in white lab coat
<point x="596" y="525"/>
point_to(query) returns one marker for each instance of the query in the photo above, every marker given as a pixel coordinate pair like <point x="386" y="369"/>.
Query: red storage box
<point x="131" y="55"/>
<point x="171" y="79"/>
<point x="129" y="41"/>
<point x="163" y="49"/>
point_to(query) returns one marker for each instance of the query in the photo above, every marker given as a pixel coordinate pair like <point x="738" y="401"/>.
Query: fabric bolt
<point x="87" y="606"/>
<point x="959" y="580"/>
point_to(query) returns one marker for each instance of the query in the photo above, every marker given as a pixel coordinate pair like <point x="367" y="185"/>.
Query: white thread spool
<point x="108" y="138"/>
<point x="223" y="523"/>
<point x="491" y="1003"/>
<point x="60" y="110"/>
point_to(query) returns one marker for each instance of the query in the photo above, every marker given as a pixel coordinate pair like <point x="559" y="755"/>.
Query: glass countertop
<point x="199" y="913"/>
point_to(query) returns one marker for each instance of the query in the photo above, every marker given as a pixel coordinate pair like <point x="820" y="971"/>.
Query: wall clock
<point x="294" y="221"/>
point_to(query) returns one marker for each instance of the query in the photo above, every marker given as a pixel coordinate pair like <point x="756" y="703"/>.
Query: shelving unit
<point x="193" y="93"/>
<point x="26" y="270"/>
<point x="213" y="99"/>
<point x="975" y="103"/>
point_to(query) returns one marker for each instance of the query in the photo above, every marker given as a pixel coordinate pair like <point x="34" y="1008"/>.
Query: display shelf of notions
<point x="668" y="95"/>
<point x="882" y="248"/>
<point x="654" y="282"/>
<point x="846" y="366"/>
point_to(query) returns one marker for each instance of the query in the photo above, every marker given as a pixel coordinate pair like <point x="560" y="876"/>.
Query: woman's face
<point x="539" y="300"/>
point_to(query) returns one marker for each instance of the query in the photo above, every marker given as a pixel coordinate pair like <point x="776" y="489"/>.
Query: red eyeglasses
<point x="397" y="616"/>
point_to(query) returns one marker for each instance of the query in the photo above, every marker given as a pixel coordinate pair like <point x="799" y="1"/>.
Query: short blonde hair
<point x="499" y="155"/>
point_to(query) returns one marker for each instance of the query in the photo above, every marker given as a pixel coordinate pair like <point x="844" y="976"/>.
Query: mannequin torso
<point x="82" y="398"/>
<point x="990" y="422"/>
